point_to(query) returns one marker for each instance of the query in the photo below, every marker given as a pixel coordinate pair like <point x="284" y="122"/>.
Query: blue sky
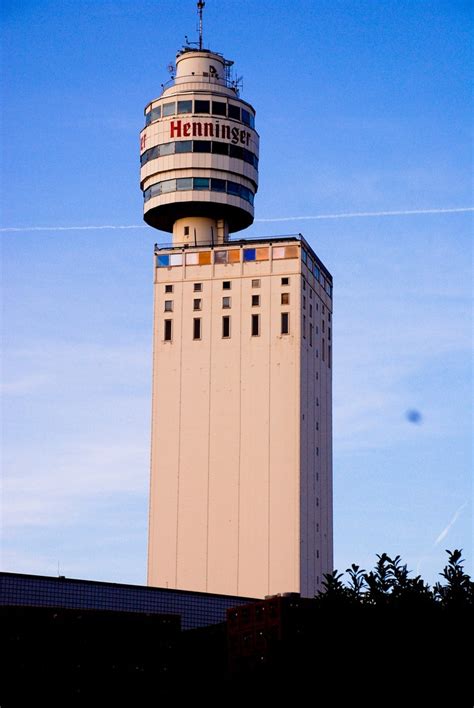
<point x="361" y="107"/>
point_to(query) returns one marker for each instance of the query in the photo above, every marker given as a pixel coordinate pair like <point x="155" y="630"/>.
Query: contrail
<point x="446" y="530"/>
<point x="359" y="214"/>
<point x="72" y="228"/>
<point x="349" y="215"/>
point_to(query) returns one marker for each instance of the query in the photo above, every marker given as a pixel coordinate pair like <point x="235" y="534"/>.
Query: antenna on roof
<point x="200" y="7"/>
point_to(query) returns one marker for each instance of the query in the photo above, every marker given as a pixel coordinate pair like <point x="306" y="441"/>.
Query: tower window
<point x="255" y="283"/>
<point x="285" y="281"/>
<point x="233" y="111"/>
<point x="226" y="303"/>
<point x="185" y="106"/>
<point x="168" y="288"/>
<point x="285" y="323"/>
<point x="255" y="300"/>
<point x="197" y="303"/>
<point x="197" y="328"/>
<point x="186" y="230"/>
<point x="201" y="107"/>
<point x="197" y="287"/>
<point x="169" y="109"/>
<point x="226" y="327"/>
<point x="168" y="305"/>
<point x="168" y="330"/>
<point x="285" y="298"/>
<point x="255" y="325"/>
<point x="202" y="146"/>
<point x="218" y="108"/>
<point x="226" y="285"/>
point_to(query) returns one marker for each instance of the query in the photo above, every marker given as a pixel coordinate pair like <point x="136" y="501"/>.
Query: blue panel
<point x="249" y="254"/>
<point x="162" y="261"/>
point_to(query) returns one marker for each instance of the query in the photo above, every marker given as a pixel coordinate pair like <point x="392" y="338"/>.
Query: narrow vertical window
<point x="226" y="327"/>
<point x="323" y="350"/>
<point x="255" y="325"/>
<point x="310" y="310"/>
<point x="304" y="302"/>
<point x="322" y="325"/>
<point x="310" y="334"/>
<point x="285" y="323"/>
<point x="304" y="326"/>
<point x="329" y="356"/>
<point x="168" y="330"/>
<point x="197" y="328"/>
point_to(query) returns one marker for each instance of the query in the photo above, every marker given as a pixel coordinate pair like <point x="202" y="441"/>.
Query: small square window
<point x="255" y="300"/>
<point x="226" y="285"/>
<point x="197" y="287"/>
<point x="256" y="283"/>
<point x="197" y="303"/>
<point x="285" y="281"/>
<point x="168" y="288"/>
<point x="226" y="302"/>
<point x="168" y="305"/>
<point x="197" y="328"/>
<point x="255" y="325"/>
<point x="285" y="298"/>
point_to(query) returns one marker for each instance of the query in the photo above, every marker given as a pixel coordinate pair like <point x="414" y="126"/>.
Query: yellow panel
<point x="234" y="255"/>
<point x="205" y="258"/>
<point x="262" y="254"/>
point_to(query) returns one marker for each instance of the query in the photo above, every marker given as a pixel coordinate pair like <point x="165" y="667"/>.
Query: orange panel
<point x="205" y="258"/>
<point x="234" y="255"/>
<point x="262" y="254"/>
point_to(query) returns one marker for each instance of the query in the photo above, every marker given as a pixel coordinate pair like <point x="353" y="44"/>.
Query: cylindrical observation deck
<point x="199" y="153"/>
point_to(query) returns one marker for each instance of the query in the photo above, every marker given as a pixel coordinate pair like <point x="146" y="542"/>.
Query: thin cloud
<point x="349" y="215"/>
<point x="447" y="529"/>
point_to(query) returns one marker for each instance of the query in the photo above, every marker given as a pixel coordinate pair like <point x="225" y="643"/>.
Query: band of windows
<point x="206" y="146"/>
<point x="254" y="326"/>
<point x="199" y="183"/>
<point x="215" y="108"/>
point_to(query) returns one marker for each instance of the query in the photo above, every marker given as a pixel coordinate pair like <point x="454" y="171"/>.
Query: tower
<point x="241" y="461"/>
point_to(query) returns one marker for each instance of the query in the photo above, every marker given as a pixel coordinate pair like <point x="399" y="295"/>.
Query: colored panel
<point x="285" y="252"/>
<point x="220" y="257"/>
<point x="162" y="261"/>
<point x="278" y="252"/>
<point x="234" y="256"/>
<point x="205" y="258"/>
<point x="176" y="259"/>
<point x="262" y="254"/>
<point x="192" y="258"/>
<point x="249" y="254"/>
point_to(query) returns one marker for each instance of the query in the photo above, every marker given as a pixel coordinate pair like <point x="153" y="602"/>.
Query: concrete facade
<point x="241" y="495"/>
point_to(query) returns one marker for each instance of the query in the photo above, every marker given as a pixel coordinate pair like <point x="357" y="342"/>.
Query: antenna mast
<point x="200" y="7"/>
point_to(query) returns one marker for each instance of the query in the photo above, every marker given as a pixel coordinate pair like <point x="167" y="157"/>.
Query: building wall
<point x="233" y="486"/>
